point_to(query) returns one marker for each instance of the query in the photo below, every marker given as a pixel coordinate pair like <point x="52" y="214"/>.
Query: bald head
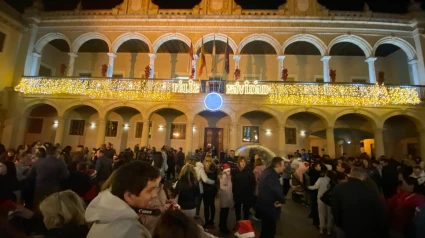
<point x="357" y="172"/>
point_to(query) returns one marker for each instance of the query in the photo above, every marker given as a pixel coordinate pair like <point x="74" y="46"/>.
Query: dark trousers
<point x="209" y="208"/>
<point x="242" y="206"/>
<point x="268" y="226"/>
<point x="198" y="204"/>
<point x="171" y="171"/>
<point x="314" y="207"/>
<point x="286" y="186"/>
<point x="224" y="213"/>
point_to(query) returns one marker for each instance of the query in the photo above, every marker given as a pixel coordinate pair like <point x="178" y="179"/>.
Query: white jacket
<point x="202" y="176"/>
<point x="113" y="218"/>
<point x="322" y="186"/>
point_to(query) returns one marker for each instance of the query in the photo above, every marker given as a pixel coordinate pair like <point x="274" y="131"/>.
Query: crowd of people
<point x="144" y="192"/>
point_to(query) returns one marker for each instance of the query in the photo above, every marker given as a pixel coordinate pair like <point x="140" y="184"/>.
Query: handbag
<point x="326" y="198"/>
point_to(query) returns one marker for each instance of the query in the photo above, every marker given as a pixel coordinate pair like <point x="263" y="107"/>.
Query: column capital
<point x="237" y="57"/>
<point x="330" y="128"/>
<point x="413" y="61"/>
<point x="72" y="55"/>
<point x="281" y="57"/>
<point x="325" y="58"/>
<point x="282" y="127"/>
<point x="370" y="59"/>
<point x="35" y="54"/>
<point x="378" y="130"/>
<point x="189" y="123"/>
<point x="152" y="56"/>
<point x="112" y="55"/>
<point x="146" y="121"/>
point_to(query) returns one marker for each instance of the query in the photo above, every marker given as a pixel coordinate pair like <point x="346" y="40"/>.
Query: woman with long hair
<point x="243" y="189"/>
<point x="203" y="179"/>
<point x="210" y="191"/>
<point x="187" y="190"/>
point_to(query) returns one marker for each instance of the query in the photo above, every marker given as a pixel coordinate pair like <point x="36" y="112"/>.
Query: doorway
<point x="315" y="150"/>
<point x="214" y="138"/>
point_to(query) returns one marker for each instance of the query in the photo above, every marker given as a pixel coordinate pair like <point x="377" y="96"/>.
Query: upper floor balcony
<point x="277" y="92"/>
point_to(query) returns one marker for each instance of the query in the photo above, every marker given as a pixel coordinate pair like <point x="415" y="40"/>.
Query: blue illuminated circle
<point x="213" y="101"/>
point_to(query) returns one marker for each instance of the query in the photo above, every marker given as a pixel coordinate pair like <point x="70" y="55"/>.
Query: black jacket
<point x="243" y="186"/>
<point x="68" y="231"/>
<point x="358" y="210"/>
<point x="103" y="168"/>
<point x="180" y="158"/>
<point x="211" y="189"/>
<point x="187" y="195"/>
<point x="269" y="192"/>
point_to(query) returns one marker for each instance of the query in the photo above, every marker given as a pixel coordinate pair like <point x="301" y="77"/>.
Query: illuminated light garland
<point x="344" y="95"/>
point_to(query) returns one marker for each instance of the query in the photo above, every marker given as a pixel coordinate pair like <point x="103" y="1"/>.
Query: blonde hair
<point x="189" y="171"/>
<point x="207" y="163"/>
<point x="62" y="208"/>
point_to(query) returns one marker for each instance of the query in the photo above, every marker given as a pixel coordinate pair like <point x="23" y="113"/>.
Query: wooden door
<point x="315" y="150"/>
<point x="214" y="137"/>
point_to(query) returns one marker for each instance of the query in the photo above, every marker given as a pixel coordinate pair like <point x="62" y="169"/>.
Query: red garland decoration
<point x="104" y="70"/>
<point x="237" y="74"/>
<point x="147" y="71"/>
<point x="63" y="68"/>
<point x="332" y="74"/>
<point x="192" y="73"/>
<point x="284" y="74"/>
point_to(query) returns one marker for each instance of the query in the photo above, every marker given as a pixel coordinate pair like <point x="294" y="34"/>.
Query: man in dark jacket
<point x="179" y="161"/>
<point x="357" y="208"/>
<point x="103" y="167"/>
<point x="270" y="197"/>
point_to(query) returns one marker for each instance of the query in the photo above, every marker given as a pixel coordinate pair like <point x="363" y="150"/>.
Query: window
<point x="178" y="131"/>
<point x="76" y="128"/>
<point x="2" y="40"/>
<point x="291" y="136"/>
<point x="111" y="129"/>
<point x="85" y="74"/>
<point x="250" y="134"/>
<point x="139" y="129"/>
<point x="35" y="125"/>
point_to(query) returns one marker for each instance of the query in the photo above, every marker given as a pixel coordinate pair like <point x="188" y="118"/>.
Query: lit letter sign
<point x="186" y="87"/>
<point x="247" y="88"/>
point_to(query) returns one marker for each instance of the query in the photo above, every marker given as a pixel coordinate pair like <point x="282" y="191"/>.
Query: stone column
<point x="189" y="137"/>
<point x="280" y="59"/>
<point x="282" y="141"/>
<point x="22" y="129"/>
<point x="326" y="77"/>
<point x="112" y="57"/>
<point x="422" y="143"/>
<point x="195" y="57"/>
<point x="145" y="133"/>
<point x="35" y="64"/>
<point x="233" y="136"/>
<point x="72" y="57"/>
<point x="101" y="130"/>
<point x="31" y="37"/>
<point x="415" y="74"/>
<point x="330" y="140"/>
<point x="152" y="58"/>
<point x="59" y="130"/>
<point x="372" y="74"/>
<point x="237" y="59"/>
<point x="379" y="143"/>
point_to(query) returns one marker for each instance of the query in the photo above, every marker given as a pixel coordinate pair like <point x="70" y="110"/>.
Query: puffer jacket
<point x="202" y="176"/>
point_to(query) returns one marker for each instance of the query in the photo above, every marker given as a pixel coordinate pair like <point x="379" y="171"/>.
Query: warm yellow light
<point x="247" y="88"/>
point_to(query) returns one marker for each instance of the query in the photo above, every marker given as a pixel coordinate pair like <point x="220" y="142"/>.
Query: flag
<point x="190" y="57"/>
<point x="226" y="57"/>
<point x="203" y="62"/>
<point x="213" y="57"/>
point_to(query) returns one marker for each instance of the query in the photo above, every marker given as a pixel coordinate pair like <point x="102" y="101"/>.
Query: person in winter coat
<point x="243" y="189"/>
<point x="202" y="178"/>
<point x="160" y="163"/>
<point x="210" y="191"/>
<point x="103" y="167"/>
<point x="63" y="214"/>
<point x="286" y="176"/>
<point x="8" y="181"/>
<point x="180" y="160"/>
<point x="325" y="211"/>
<point x="367" y="218"/>
<point x="187" y="190"/>
<point x="270" y="197"/>
<point x="314" y="174"/>
<point x="226" y="198"/>
<point x="113" y="211"/>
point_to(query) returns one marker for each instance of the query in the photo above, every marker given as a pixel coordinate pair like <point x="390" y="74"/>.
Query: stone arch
<point x="403" y="44"/>
<point x="230" y="112"/>
<point x="276" y="115"/>
<point x="110" y="108"/>
<point x="218" y="36"/>
<point x="89" y="36"/>
<point x="130" y="36"/>
<point x="37" y="102"/>
<point x="170" y="36"/>
<point x="260" y="37"/>
<point x="420" y="125"/>
<point x="71" y="106"/>
<point x="369" y="116"/>
<point x="49" y="37"/>
<point x="357" y="40"/>
<point x="317" y="112"/>
<point x="316" y="41"/>
<point x="186" y="111"/>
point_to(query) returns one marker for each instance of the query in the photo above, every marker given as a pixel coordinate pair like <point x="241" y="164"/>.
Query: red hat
<point x="226" y="167"/>
<point x="245" y="229"/>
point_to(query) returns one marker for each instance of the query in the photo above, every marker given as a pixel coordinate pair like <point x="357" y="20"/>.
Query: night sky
<point x="388" y="6"/>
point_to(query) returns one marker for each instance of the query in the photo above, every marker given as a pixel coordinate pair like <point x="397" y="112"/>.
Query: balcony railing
<point x="279" y="92"/>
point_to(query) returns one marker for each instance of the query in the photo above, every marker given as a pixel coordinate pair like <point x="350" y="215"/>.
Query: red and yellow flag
<point x="203" y="62"/>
